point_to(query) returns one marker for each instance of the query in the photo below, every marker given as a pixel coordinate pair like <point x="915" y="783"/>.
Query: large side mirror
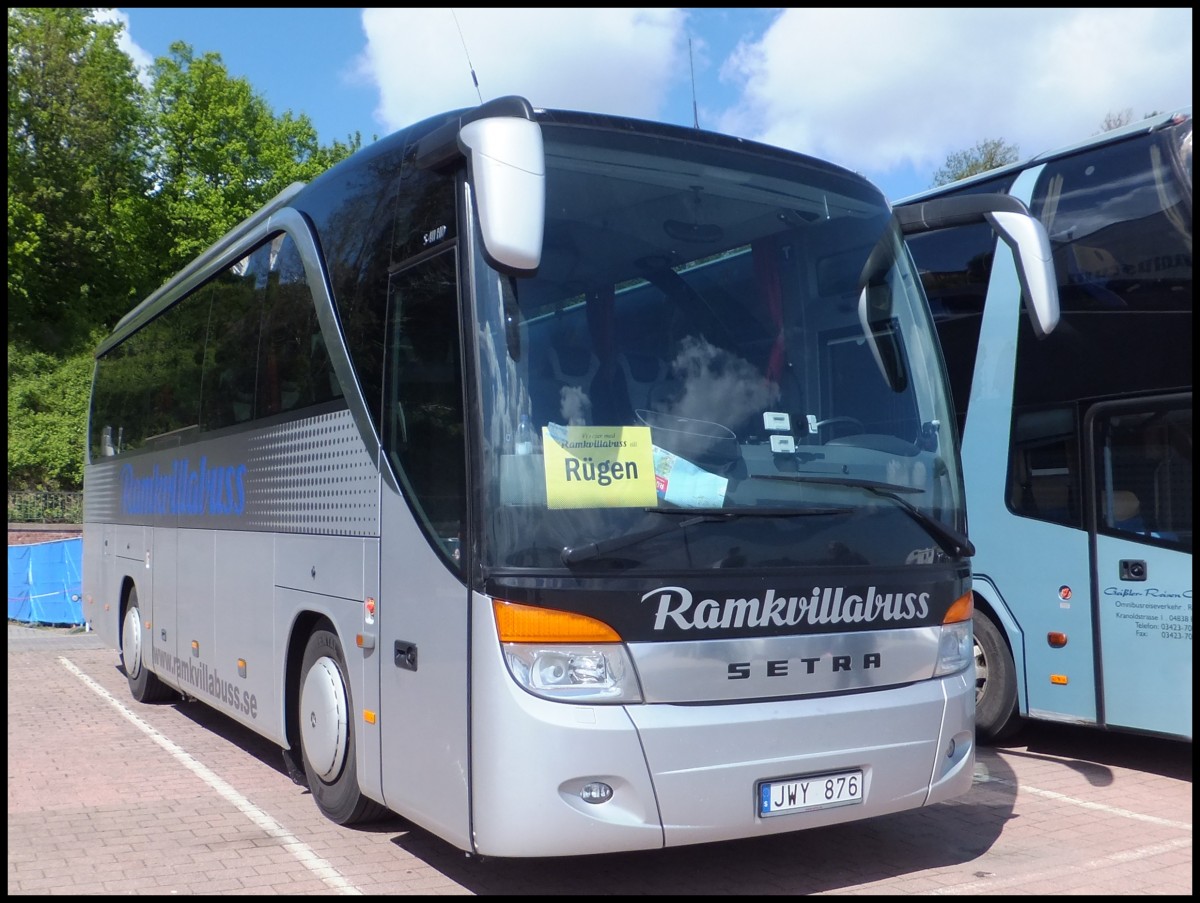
<point x="875" y="312"/>
<point x="879" y="330"/>
<point x="1020" y="230"/>
<point x="506" y="166"/>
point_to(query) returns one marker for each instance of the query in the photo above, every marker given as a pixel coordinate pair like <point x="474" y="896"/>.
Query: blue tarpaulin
<point x="44" y="585"/>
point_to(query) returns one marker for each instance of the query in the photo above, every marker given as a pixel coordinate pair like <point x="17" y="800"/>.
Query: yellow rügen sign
<point x="598" y="466"/>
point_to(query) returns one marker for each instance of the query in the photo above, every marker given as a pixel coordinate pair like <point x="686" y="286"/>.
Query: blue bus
<point x="1077" y="445"/>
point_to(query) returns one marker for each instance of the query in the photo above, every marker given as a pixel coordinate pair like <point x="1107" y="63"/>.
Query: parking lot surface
<point x="106" y="796"/>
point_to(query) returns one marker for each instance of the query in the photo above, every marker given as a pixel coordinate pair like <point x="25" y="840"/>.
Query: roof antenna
<point x="468" y="55"/>
<point x="695" y="115"/>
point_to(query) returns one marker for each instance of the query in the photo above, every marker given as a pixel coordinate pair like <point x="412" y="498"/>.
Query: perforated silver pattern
<point x="101" y="493"/>
<point x="312" y="476"/>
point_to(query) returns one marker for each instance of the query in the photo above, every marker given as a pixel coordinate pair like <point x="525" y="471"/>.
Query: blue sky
<point x="890" y="93"/>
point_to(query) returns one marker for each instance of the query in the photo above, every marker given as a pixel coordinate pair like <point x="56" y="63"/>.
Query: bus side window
<point x="1171" y="478"/>
<point x="956" y="266"/>
<point x="1123" y="511"/>
<point x="296" y="371"/>
<point x="1114" y="218"/>
<point x="1044" y="477"/>
<point x="423" y="423"/>
<point x="1145" y="471"/>
<point x="231" y="351"/>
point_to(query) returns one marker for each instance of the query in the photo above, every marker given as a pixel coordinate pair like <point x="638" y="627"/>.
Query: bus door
<point x="423" y="609"/>
<point x="1038" y="556"/>
<point x="1141" y="459"/>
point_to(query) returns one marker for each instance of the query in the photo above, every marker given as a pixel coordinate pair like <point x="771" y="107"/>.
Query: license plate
<point x="816" y="791"/>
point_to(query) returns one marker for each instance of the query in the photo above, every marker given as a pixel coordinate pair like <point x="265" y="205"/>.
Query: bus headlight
<point x="591" y="674"/>
<point x="955" y="649"/>
<point x="956" y="643"/>
<point x="565" y="656"/>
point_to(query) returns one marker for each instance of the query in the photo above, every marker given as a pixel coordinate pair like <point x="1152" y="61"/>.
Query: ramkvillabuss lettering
<point x="824" y="605"/>
<point x="184" y="490"/>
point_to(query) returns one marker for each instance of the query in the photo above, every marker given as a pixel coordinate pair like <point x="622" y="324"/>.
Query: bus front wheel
<point x="327" y="733"/>
<point x="995" y="683"/>
<point x="143" y="683"/>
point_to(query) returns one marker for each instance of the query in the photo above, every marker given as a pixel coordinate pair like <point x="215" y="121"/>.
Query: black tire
<point x="326" y="727"/>
<point x="996" y="715"/>
<point x="143" y="683"/>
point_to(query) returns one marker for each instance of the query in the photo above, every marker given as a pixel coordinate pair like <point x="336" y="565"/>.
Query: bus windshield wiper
<point x="952" y="541"/>
<point x="693" y="516"/>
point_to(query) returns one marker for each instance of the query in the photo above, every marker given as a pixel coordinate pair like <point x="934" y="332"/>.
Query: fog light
<point x="596" y="792"/>
<point x="950" y="750"/>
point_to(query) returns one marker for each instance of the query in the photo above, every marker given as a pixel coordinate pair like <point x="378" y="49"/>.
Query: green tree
<point x="985" y="155"/>
<point x="111" y="190"/>
<point x="48" y="404"/>
<point x="76" y="177"/>
<point x="219" y="153"/>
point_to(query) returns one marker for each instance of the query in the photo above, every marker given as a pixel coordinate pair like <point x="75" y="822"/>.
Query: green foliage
<point x="45" y="507"/>
<point x="984" y="156"/>
<point x="76" y="177"/>
<point x="220" y="153"/>
<point x="113" y="188"/>
<point x="47" y="410"/>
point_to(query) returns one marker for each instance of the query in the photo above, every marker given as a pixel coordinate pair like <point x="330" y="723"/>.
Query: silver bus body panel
<point x="682" y="773"/>
<point x="700" y="767"/>
<point x="766" y="667"/>
<point x="230" y="588"/>
<point x="530" y="757"/>
<point x="423" y="722"/>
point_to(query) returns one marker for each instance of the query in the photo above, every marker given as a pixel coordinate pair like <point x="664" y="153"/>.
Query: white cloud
<point x="889" y="92"/>
<point x="141" y="59"/>
<point x="604" y="60"/>
<point x="877" y="90"/>
<point x="883" y="88"/>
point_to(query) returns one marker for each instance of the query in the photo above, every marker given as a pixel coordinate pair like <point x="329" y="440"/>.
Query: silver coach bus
<point x="563" y="483"/>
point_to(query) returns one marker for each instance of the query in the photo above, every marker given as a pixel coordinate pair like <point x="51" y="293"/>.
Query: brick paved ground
<point x="109" y="797"/>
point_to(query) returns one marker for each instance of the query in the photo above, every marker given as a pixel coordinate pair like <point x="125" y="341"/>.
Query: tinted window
<point x="1144" y="472"/>
<point x="423" y="426"/>
<point x="1120" y="229"/>
<point x="245" y="345"/>
<point x="1122" y="251"/>
<point x="294" y="370"/>
<point x="955" y="266"/>
<point x="231" y="354"/>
